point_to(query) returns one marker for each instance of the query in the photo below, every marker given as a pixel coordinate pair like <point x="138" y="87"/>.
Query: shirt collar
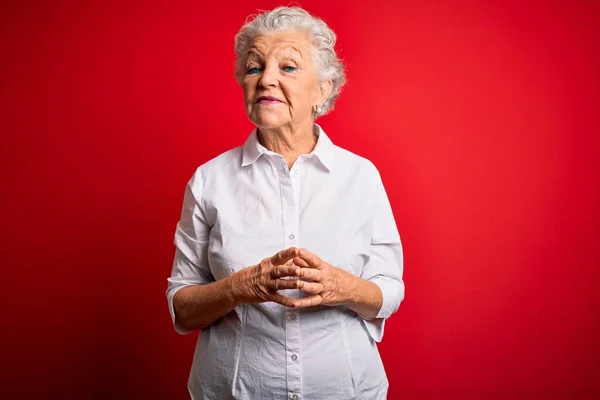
<point x="324" y="149"/>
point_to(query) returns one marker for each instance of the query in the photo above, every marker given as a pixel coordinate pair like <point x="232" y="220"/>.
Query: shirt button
<point x="294" y="357"/>
<point x="292" y="236"/>
<point x="294" y="397"/>
<point x="291" y="317"/>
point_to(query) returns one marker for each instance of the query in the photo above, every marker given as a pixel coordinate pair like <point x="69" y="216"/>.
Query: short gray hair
<point x="327" y="63"/>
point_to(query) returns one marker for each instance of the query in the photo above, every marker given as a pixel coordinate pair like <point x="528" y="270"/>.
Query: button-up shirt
<point x="246" y="205"/>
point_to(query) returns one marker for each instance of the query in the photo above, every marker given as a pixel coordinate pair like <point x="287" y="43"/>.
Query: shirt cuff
<point x="170" y="296"/>
<point x="375" y="328"/>
<point x="391" y="300"/>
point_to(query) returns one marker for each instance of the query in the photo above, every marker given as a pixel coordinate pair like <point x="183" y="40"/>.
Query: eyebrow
<point x="253" y="50"/>
<point x="295" y="50"/>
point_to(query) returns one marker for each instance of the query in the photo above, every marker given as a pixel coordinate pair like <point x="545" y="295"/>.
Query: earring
<point x="318" y="108"/>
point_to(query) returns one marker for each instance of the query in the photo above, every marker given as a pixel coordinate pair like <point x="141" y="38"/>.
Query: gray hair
<point x="327" y="63"/>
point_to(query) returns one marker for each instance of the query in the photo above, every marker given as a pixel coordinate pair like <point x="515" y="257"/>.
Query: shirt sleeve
<point x="190" y="264"/>
<point x="386" y="263"/>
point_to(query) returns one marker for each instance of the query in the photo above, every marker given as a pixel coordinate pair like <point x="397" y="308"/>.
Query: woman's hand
<point x="328" y="285"/>
<point x="260" y="283"/>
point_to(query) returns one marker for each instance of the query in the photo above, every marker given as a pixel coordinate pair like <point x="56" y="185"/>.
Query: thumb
<point x="284" y="256"/>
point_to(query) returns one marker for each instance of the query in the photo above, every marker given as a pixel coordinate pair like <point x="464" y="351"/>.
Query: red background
<point x="483" y="118"/>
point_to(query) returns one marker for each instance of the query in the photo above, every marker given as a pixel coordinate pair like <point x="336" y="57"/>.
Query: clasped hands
<point x="325" y="283"/>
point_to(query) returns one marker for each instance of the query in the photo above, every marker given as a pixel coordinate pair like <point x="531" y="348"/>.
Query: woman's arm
<point x="330" y="285"/>
<point x="195" y="299"/>
<point x="198" y="306"/>
<point x="366" y="299"/>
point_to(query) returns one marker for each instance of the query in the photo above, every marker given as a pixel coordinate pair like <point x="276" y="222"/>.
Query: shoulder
<point x="221" y="166"/>
<point x="355" y="164"/>
<point x="230" y="159"/>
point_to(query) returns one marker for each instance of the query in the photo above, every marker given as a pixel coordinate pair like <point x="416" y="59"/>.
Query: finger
<point x="309" y="301"/>
<point x="284" y="270"/>
<point x="284" y="256"/>
<point x="300" y="262"/>
<point x="281" y="284"/>
<point x="311" y="274"/>
<point x="311" y="259"/>
<point x="283" y="300"/>
<point x="310" y="287"/>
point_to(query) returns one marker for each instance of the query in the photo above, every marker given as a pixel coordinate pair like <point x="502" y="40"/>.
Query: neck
<point x="290" y="142"/>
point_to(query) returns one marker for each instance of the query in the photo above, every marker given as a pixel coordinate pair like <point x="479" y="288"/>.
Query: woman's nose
<point x="269" y="77"/>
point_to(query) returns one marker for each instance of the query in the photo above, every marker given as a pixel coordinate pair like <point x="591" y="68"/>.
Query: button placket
<point x="292" y="325"/>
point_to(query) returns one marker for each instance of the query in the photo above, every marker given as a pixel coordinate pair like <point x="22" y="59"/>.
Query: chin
<point x="267" y="121"/>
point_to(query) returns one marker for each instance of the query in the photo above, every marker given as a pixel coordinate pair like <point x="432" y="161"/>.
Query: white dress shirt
<point x="245" y="205"/>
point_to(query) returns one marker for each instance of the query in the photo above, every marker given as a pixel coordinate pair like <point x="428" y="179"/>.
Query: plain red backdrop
<point x="483" y="118"/>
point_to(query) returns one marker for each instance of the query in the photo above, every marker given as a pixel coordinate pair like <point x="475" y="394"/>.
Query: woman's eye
<point x="289" y="68"/>
<point x="253" y="70"/>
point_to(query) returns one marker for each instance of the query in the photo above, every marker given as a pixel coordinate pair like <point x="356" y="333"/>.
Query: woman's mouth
<point x="267" y="100"/>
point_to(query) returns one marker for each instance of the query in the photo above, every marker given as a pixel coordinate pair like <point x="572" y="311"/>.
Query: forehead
<point x="282" y="43"/>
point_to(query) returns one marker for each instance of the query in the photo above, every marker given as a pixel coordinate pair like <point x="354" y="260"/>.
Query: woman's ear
<point x="325" y="88"/>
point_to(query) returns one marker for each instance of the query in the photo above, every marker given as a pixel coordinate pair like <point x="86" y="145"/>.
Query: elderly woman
<point x="287" y="254"/>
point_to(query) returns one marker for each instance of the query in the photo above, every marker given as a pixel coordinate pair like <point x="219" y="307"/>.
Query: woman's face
<point x="279" y="81"/>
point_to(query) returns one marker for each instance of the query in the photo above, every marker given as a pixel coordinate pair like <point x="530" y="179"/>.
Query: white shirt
<point x="245" y="205"/>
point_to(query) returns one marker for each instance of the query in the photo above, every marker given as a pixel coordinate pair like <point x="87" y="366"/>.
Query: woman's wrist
<point x="365" y="298"/>
<point x="352" y="289"/>
<point x="234" y="289"/>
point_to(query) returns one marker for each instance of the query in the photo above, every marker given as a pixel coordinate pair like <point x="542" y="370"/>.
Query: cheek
<point x="301" y="99"/>
<point x="302" y="93"/>
<point x="295" y="95"/>
<point x="247" y="94"/>
<point x="249" y="87"/>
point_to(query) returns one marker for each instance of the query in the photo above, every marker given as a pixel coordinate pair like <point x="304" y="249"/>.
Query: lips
<point x="267" y="100"/>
